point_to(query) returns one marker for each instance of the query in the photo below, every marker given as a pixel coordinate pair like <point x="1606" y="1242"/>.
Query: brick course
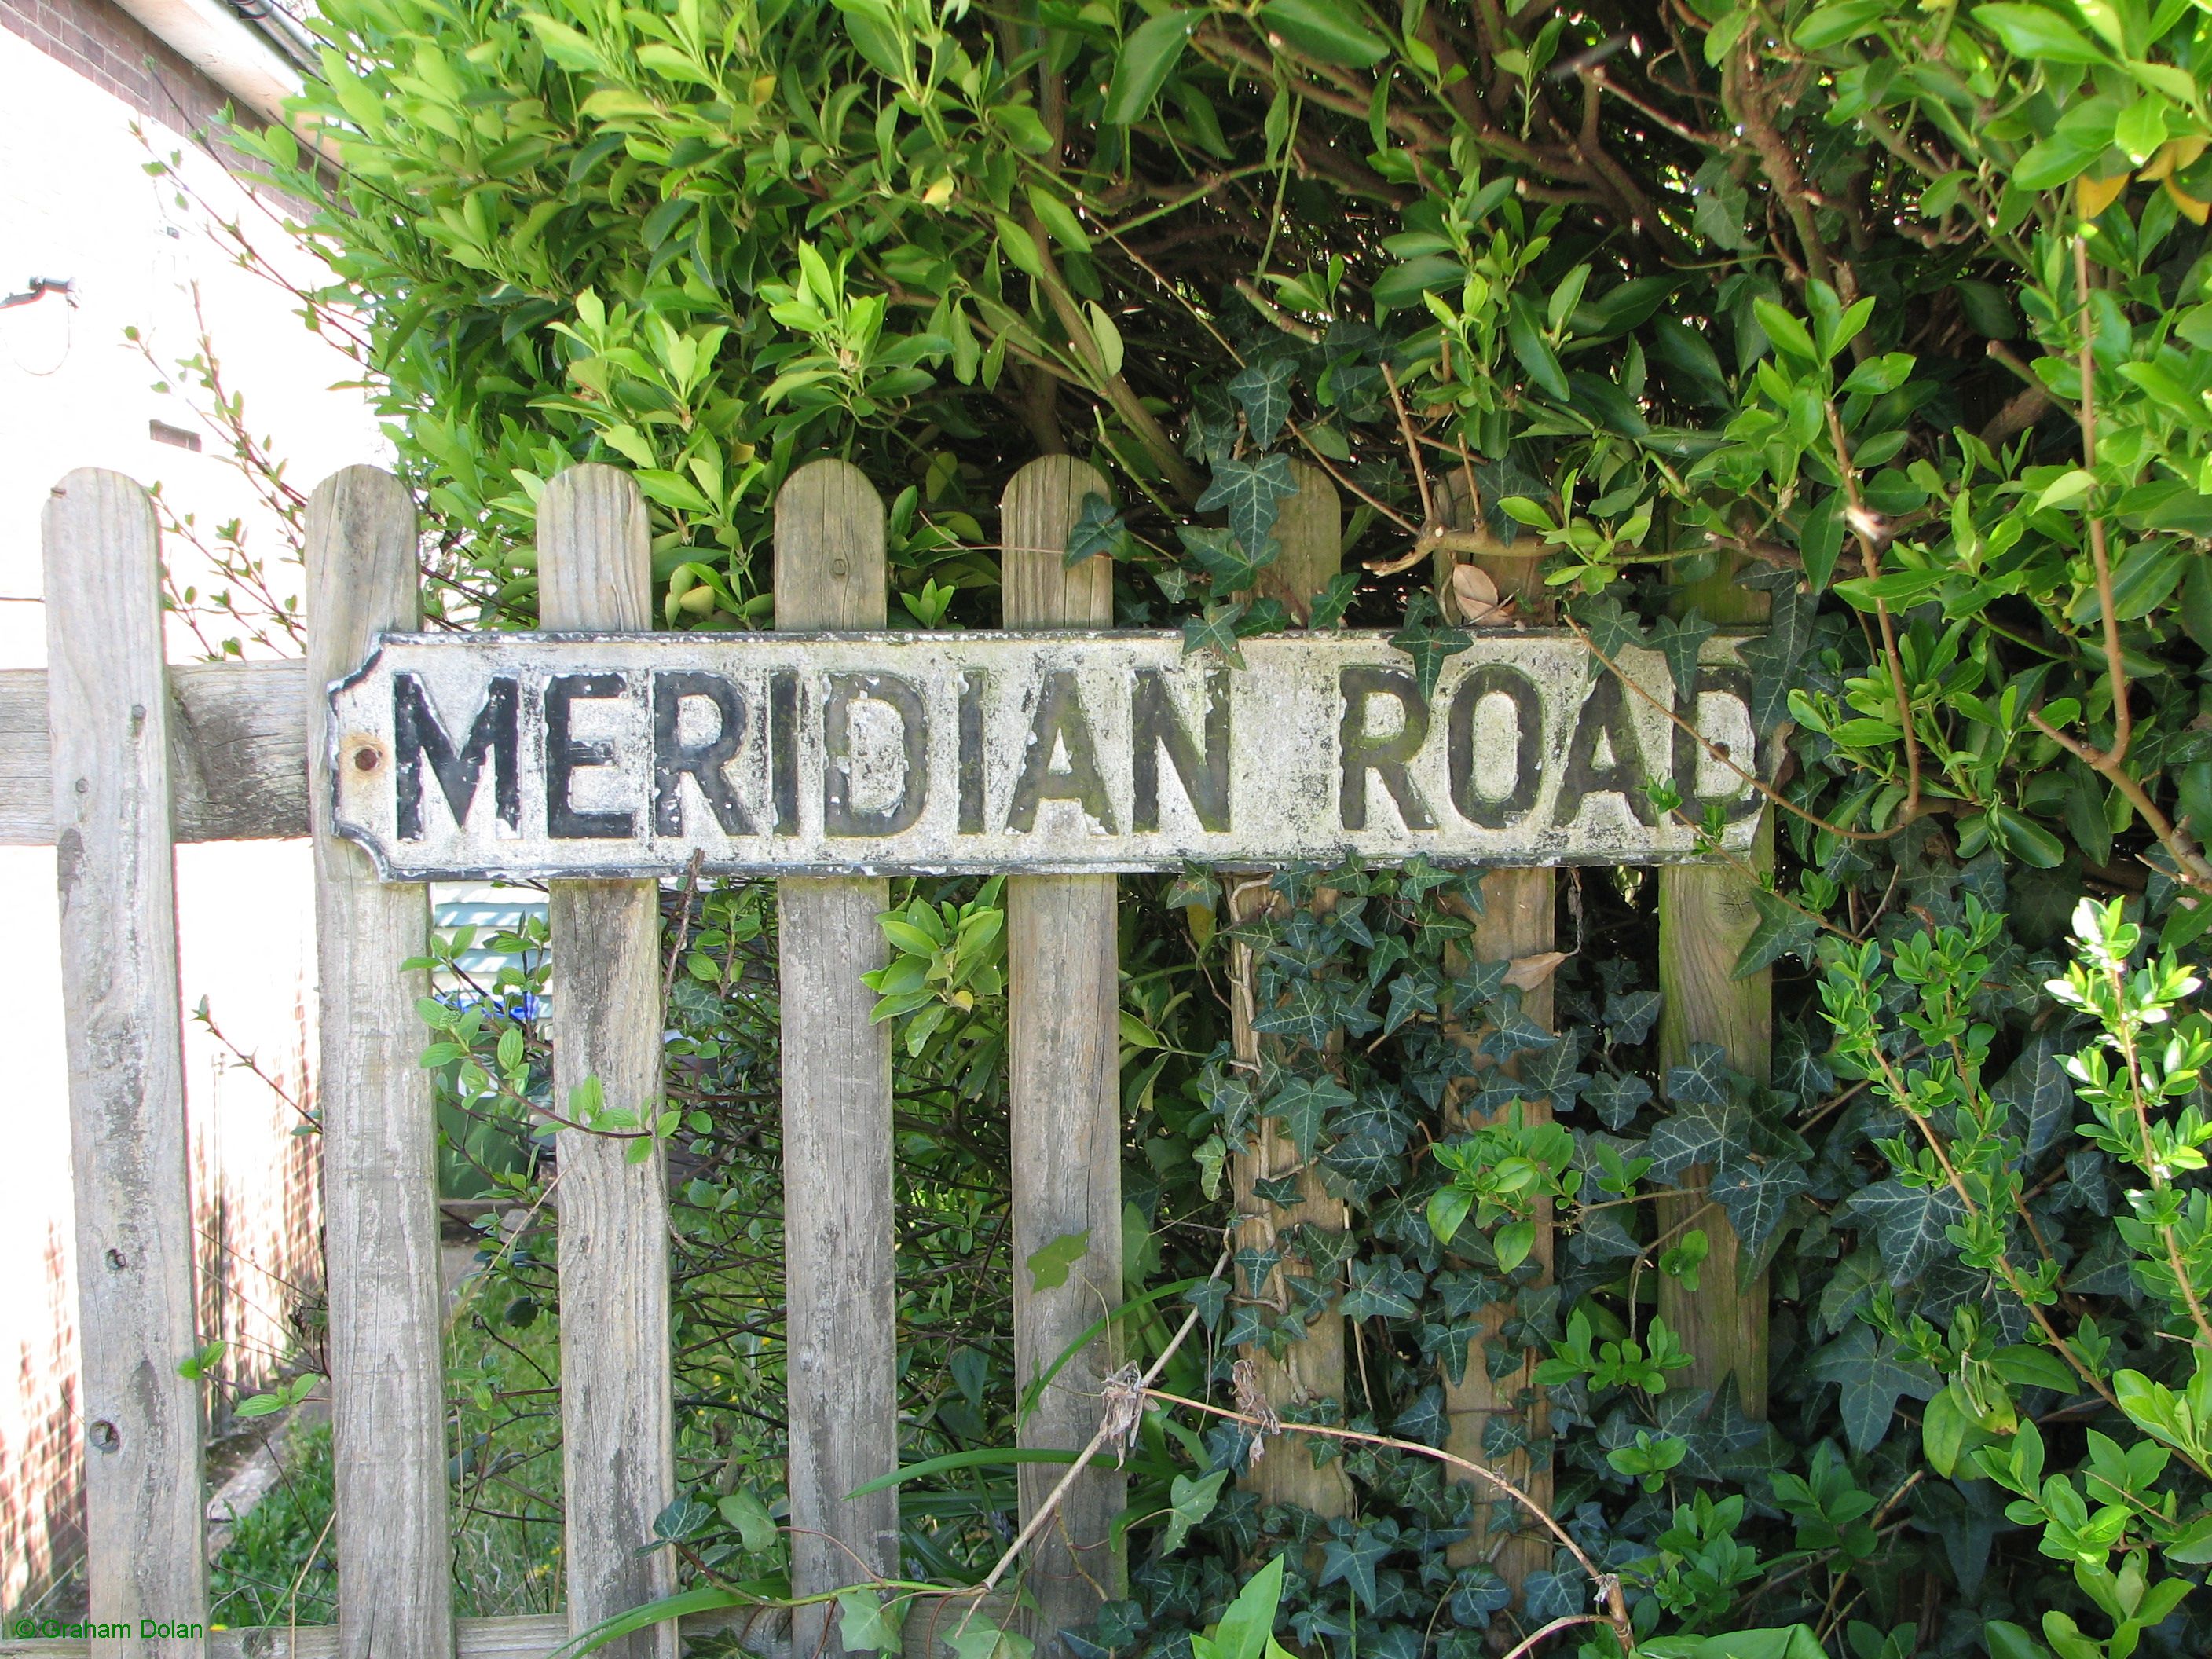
<point x="113" y="50"/>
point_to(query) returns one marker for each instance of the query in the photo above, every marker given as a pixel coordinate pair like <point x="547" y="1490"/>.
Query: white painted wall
<point x="76" y="202"/>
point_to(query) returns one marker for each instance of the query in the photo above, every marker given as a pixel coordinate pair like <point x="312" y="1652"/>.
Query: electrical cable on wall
<point x="37" y="288"/>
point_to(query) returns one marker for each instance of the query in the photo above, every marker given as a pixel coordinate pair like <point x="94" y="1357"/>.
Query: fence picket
<point x="1518" y="920"/>
<point x="1064" y="1094"/>
<point x="841" y="1324"/>
<point x="380" y="1136"/>
<point x="1309" y="530"/>
<point x="595" y="571"/>
<point x="116" y="869"/>
<point x="1706" y="912"/>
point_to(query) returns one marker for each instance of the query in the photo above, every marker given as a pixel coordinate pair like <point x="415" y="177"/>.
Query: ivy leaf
<point x="1554" y="1073"/>
<point x="1410" y="994"/>
<point x="755" y="1529"/>
<point x="1195" y="885"/>
<point x="1784" y="930"/>
<point x="1307" y="1012"/>
<point x="987" y="1641"/>
<point x="1417" y="876"/>
<point x="1704" y="1132"/>
<point x="1305" y="1105"/>
<point x="1429" y="646"/>
<point x="1721" y="1442"/>
<point x="1213" y="435"/>
<point x="1263" y="392"/>
<point x="1049" y="1266"/>
<point x="1189" y="1502"/>
<point x="1798" y="1069"/>
<point x="1231" y="1098"/>
<point x="1098" y="528"/>
<point x="1679" y="639"/>
<point x="1704" y="1081"/>
<point x="1329" y="605"/>
<point x="2039" y="1092"/>
<point x="1514" y="1033"/>
<point x="1864" y="1366"/>
<point x="1119" y="1624"/>
<point x="1616" y="1100"/>
<point x="1909" y="1222"/>
<point x="1214" y="631"/>
<point x="1461" y="1294"/>
<point x="1849" y="1289"/>
<point x="1258" y="1266"/>
<point x="1210" y="1298"/>
<point x="1359" y="1166"/>
<point x="1424" y="1419"/>
<point x="1353" y="1559"/>
<point x="864" y="1623"/>
<point x="1252" y="492"/>
<point x="1773" y="656"/>
<point x="1560" y="1593"/>
<point x="1223" y="559"/>
<point x="1477" y="1593"/>
<point x="1611" y="629"/>
<point x="1629" y="1018"/>
<point x="1482" y="984"/>
<point x="1381" y="1290"/>
<point x="1602" y="1236"/>
<point x="1757" y="1198"/>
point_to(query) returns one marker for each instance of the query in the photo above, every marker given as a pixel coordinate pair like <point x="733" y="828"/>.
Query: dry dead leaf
<point x="1527" y="973"/>
<point x="1475" y="595"/>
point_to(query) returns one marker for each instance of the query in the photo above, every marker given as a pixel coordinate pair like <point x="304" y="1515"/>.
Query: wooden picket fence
<point x="113" y="759"/>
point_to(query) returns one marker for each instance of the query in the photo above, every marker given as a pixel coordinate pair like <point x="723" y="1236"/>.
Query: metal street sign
<point x="619" y="754"/>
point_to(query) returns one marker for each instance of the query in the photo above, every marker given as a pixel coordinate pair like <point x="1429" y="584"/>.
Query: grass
<point x="280" y="1566"/>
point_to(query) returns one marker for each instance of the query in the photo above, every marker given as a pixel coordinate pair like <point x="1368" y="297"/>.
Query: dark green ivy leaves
<point x="1910" y="1224"/>
<point x="1251" y="491"/>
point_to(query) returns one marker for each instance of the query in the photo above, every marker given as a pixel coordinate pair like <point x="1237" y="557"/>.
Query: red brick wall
<point x="113" y="50"/>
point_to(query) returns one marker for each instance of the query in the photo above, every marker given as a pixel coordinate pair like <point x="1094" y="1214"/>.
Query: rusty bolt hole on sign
<point x="878" y="753"/>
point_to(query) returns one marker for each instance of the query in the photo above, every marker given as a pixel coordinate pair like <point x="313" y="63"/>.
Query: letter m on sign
<point x="420" y="738"/>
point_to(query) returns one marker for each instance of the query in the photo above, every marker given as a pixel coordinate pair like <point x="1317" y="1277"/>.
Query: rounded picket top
<point x="594" y="551"/>
<point x="1036" y="513"/>
<point x="830" y="566"/>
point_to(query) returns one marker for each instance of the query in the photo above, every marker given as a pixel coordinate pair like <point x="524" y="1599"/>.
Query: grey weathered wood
<point x="1311" y="531"/>
<point x="379" y="1135"/>
<point x="1707" y="914"/>
<point x="840" y="1322"/>
<point x="1064" y="1105"/>
<point x="115" y="866"/>
<point x="238" y="753"/>
<point x="595" y="571"/>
